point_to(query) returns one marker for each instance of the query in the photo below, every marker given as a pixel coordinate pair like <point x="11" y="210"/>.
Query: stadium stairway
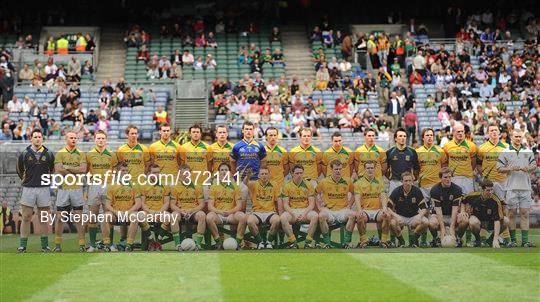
<point x="112" y="55"/>
<point x="297" y="52"/>
<point x="191" y="103"/>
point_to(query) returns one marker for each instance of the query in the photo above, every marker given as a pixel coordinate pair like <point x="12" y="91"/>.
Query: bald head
<point x="71" y="139"/>
<point x="458" y="132"/>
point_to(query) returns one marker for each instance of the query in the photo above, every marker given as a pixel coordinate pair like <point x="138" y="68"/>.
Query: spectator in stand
<point x="91" y="118"/>
<point x="210" y="62"/>
<point x="187" y="59"/>
<point x="74" y="70"/>
<point x="50" y="70"/>
<point x="26" y="74"/>
<point x="176" y="57"/>
<point x="6" y="134"/>
<point x="14" y="105"/>
<point x="211" y="40"/>
<point x="277" y="58"/>
<point x="256" y="66"/>
<point x="90" y="45"/>
<point x="275" y="36"/>
<point x="153" y="72"/>
<point x="143" y="54"/>
<point x="486" y="90"/>
<point x="200" y="41"/>
<point x="102" y="124"/>
<point x="199" y="64"/>
<point x="322" y="77"/>
<point x="419" y="63"/>
<point x="411" y="125"/>
<point x="393" y="110"/>
<point x="87" y="69"/>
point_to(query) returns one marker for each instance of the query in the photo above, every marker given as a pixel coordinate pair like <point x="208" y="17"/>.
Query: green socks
<point x="524" y="236"/>
<point x="326" y="239"/>
<point x="413" y="238"/>
<point x="23" y="242"/>
<point x="92" y="231"/>
<point x="468" y="236"/>
<point x="270" y="237"/>
<point x="401" y="240"/>
<point x="44" y="241"/>
<point x="348" y="236"/>
<point x="424" y="237"/>
<point x="176" y="238"/>
<point x="198" y="238"/>
<point x="513" y="235"/>
<point x="258" y="238"/>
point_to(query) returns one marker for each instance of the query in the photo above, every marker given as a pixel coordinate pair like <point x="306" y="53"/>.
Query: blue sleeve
<point x="234" y="152"/>
<point x="262" y="151"/>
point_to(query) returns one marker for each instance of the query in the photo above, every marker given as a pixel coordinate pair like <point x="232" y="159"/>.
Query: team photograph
<point x="270" y="151"/>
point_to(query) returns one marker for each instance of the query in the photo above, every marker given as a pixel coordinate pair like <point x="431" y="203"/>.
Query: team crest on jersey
<point x="413" y="200"/>
<point x="394" y="158"/>
<point x="451" y="197"/>
<point x="43" y="158"/>
<point x="407" y="158"/>
<point x="489" y="211"/>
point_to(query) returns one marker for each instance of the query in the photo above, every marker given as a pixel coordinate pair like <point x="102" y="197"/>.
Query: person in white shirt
<point x="187" y="58"/>
<point x="475" y="103"/>
<point x="27" y="104"/>
<point x="486" y="91"/>
<point x="14" y="105"/>
<point x="518" y="162"/>
<point x="345" y="66"/>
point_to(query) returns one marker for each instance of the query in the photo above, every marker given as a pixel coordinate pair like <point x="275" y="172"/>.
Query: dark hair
<point x="131" y="126"/>
<point x="335" y="162"/>
<point x="399" y="130"/>
<point x="164" y="125"/>
<point x="297" y="167"/>
<point x="336" y="134"/>
<point x="195" y="126"/>
<point x="224" y="164"/>
<point x="370" y="162"/>
<point x="36" y="131"/>
<point x="100" y="132"/>
<point x="247" y="123"/>
<point x="425" y="130"/>
<point x="269" y="129"/>
<point x="405" y="174"/>
<point x="369" y="130"/>
<point x="446" y="170"/>
<point x="486" y="184"/>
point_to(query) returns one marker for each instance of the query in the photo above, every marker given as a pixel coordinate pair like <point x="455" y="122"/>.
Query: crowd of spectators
<point x="74" y="116"/>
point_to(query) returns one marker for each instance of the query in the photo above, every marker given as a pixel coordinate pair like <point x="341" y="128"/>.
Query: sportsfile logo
<point x="121" y="217"/>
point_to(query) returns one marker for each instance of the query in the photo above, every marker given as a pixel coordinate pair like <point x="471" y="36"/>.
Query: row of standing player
<point x="249" y="153"/>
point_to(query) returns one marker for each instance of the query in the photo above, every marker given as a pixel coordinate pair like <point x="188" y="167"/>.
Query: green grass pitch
<point x="467" y="274"/>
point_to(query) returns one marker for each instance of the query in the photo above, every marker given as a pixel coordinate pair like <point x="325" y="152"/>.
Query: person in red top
<point x="340" y="108"/>
<point x="143" y="54"/>
<point x="415" y="78"/>
<point x="411" y="124"/>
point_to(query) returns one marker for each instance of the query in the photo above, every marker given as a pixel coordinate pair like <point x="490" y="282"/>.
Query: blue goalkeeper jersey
<point x="248" y="155"/>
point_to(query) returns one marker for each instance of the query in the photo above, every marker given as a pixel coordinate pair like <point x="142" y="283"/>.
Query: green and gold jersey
<point x="344" y="155"/>
<point x="374" y="153"/>
<point x="220" y="154"/>
<point x="225" y="196"/>
<point x="370" y="192"/>
<point x="100" y="162"/>
<point x="276" y="159"/>
<point x="70" y="158"/>
<point x="187" y="197"/>
<point x="154" y="196"/>
<point x="335" y="194"/>
<point x="196" y="156"/>
<point x="460" y="157"/>
<point x="298" y="194"/>
<point x="309" y="158"/>
<point x="431" y="161"/>
<point x="166" y="156"/>
<point x="489" y="153"/>
<point x="121" y="197"/>
<point x="136" y="157"/>
<point x="263" y="196"/>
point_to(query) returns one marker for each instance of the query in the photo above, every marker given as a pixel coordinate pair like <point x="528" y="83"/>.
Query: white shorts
<point x="264" y="218"/>
<point x="69" y="198"/>
<point x="36" y="197"/>
<point x="518" y="199"/>
<point x="404" y="221"/>
<point x="426" y="191"/>
<point x="393" y="184"/>
<point x="340" y="216"/>
<point x="499" y="189"/>
<point x="225" y="219"/>
<point x="372" y="215"/>
<point x="298" y="212"/>
<point x="466" y="184"/>
<point x="447" y="219"/>
<point x="97" y="195"/>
